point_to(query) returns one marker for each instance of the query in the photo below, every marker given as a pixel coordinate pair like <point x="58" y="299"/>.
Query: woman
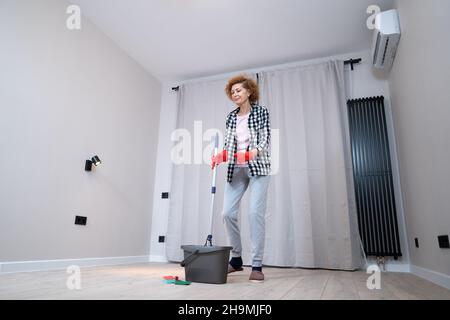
<point x="246" y="149"/>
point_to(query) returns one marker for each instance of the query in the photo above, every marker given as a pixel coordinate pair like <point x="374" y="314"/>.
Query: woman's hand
<point x="218" y="158"/>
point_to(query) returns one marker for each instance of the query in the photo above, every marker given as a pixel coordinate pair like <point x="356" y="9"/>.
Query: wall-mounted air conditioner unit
<point x="385" y="39"/>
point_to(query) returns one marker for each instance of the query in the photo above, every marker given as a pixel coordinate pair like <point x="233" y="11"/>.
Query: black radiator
<point x="374" y="190"/>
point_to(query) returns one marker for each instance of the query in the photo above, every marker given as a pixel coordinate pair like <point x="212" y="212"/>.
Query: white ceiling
<point x="185" y="39"/>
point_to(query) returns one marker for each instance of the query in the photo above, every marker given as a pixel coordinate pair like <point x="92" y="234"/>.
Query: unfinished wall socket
<point x="80" y="220"/>
<point x="443" y="242"/>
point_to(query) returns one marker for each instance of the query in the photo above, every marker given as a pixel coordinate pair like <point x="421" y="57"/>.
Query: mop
<point x="207" y="263"/>
<point x="213" y="192"/>
<point x="175" y="280"/>
<point x="208" y="242"/>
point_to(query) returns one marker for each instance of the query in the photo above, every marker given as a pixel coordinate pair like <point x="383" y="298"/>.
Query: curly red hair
<point x="248" y="83"/>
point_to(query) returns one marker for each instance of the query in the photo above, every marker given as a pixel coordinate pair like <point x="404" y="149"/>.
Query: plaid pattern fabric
<point x="259" y="127"/>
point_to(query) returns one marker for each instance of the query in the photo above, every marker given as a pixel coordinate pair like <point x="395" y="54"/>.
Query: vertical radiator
<point x="377" y="216"/>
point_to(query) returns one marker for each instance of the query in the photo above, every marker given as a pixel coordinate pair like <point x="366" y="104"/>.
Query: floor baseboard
<point x="42" y="265"/>
<point x="438" y="278"/>
<point x="155" y="258"/>
<point x="390" y="266"/>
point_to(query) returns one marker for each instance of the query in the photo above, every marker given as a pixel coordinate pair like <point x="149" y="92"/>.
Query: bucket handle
<point x="189" y="258"/>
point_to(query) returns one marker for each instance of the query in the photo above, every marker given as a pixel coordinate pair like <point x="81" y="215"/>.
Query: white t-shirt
<point x="242" y="134"/>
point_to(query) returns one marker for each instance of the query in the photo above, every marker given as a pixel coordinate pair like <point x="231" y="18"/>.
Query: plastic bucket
<point x="206" y="264"/>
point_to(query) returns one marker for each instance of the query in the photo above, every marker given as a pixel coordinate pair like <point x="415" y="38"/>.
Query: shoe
<point x="256" y="276"/>
<point x="231" y="269"/>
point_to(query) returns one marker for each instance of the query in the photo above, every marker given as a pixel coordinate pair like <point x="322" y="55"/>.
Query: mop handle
<point x="213" y="191"/>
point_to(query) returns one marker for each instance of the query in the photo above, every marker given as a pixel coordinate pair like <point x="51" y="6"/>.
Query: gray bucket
<point x="206" y="264"/>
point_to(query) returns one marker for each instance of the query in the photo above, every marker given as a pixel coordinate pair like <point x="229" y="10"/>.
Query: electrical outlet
<point x="443" y="242"/>
<point x="161" y="238"/>
<point x="80" y="220"/>
<point x="416" y="240"/>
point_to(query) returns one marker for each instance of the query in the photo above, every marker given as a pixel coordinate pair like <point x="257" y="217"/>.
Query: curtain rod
<point x="352" y="61"/>
<point x="178" y="87"/>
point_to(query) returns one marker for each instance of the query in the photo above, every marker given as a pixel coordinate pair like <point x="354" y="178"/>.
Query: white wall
<point x="419" y="84"/>
<point x="64" y="97"/>
<point x="362" y="82"/>
<point x="167" y="122"/>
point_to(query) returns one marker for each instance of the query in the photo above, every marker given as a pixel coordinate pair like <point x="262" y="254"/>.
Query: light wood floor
<point x="144" y="281"/>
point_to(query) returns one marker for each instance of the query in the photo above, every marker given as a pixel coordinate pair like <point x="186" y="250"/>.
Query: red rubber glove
<point x="243" y="157"/>
<point x="218" y="158"/>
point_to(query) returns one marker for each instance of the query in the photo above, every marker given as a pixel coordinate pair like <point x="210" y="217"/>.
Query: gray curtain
<point x="311" y="221"/>
<point x="202" y="111"/>
<point x="311" y="215"/>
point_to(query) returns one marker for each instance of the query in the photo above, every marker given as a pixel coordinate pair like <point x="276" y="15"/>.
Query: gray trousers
<point x="257" y="211"/>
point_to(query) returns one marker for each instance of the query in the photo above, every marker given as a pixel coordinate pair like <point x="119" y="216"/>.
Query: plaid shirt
<point x="259" y="128"/>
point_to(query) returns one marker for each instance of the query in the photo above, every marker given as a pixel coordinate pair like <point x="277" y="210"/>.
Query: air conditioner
<point x="385" y="39"/>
